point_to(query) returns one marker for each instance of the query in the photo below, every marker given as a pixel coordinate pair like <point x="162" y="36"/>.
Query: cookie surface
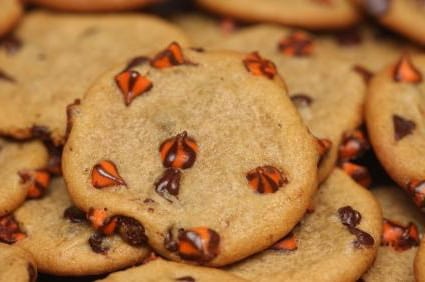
<point x="394" y="116"/>
<point x="420" y="263"/>
<point x="93" y="5"/>
<point x="10" y="13"/>
<point x="63" y="242"/>
<point x="202" y="131"/>
<point x="311" y="14"/>
<point x="322" y="248"/>
<point x="396" y="253"/>
<point x="167" y="271"/>
<point x="16" y="161"/>
<point x="327" y="110"/>
<point x="17" y="265"/>
<point x="43" y="76"/>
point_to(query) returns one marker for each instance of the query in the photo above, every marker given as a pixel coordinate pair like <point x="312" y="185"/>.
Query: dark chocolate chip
<point x="11" y="44"/>
<point x="349" y="216"/>
<point x="377" y="7"/>
<point x="131" y="231"/>
<point x="301" y="100"/>
<point x="32" y="273"/>
<point x="186" y="279"/>
<point x="402" y="127"/>
<point x="136" y="61"/>
<point x="96" y="242"/>
<point x="169" y="183"/>
<point x="169" y="243"/>
<point x="363" y="239"/>
<point x="6" y="77"/>
<point x="75" y="215"/>
<point x="364" y="72"/>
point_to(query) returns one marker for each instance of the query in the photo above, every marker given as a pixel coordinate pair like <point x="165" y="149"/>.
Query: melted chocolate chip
<point x="349" y="37"/>
<point x="402" y="127"/>
<point x="75" y="215"/>
<point x="137" y="61"/>
<point x="377" y="7"/>
<point x="32" y="273"/>
<point x="349" y="216"/>
<point x="186" y="279"/>
<point x="169" y="183"/>
<point x="301" y="100"/>
<point x="363" y="239"/>
<point x="364" y="72"/>
<point x="11" y="44"/>
<point x="169" y="243"/>
<point x="10" y="231"/>
<point x="131" y="231"/>
<point x="96" y="242"/>
<point x="6" y="77"/>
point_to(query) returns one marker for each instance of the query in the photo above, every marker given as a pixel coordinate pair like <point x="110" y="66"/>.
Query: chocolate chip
<point x="301" y="100"/>
<point x="349" y="216"/>
<point x="186" y="279"/>
<point x="11" y="44"/>
<point x="365" y="73"/>
<point x="363" y="239"/>
<point x="75" y="215"/>
<point x="377" y="7"/>
<point x="198" y="244"/>
<point x="402" y="127"/>
<point x="169" y="243"/>
<point x="6" y="77"/>
<point x="10" y="231"/>
<point x="96" y="242"/>
<point x="131" y="231"/>
<point x="349" y="37"/>
<point x="137" y="61"/>
<point x="169" y="183"/>
<point x="32" y="273"/>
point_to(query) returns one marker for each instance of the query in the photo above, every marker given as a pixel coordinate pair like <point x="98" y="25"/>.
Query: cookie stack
<point x="225" y="140"/>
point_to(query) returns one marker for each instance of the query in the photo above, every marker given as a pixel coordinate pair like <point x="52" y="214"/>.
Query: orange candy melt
<point x="105" y="174"/>
<point x="265" y="179"/>
<point x="258" y="66"/>
<point x="132" y="85"/>
<point x="36" y="181"/>
<point x="199" y="244"/>
<point x="289" y="243"/>
<point x="405" y="71"/>
<point x="171" y="56"/>
<point x="297" y="44"/>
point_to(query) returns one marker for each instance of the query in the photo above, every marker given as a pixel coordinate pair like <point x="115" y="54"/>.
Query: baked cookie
<point x="420" y="263"/>
<point x="327" y="110"/>
<point x="402" y="225"/>
<point x="406" y="17"/>
<point x="311" y="14"/>
<point x="181" y="139"/>
<point x="63" y="242"/>
<point x="395" y="120"/>
<point x="166" y="271"/>
<point x="336" y="242"/>
<point x="22" y="173"/>
<point x="40" y="79"/>
<point x="10" y="13"/>
<point x="93" y="5"/>
<point x="16" y="265"/>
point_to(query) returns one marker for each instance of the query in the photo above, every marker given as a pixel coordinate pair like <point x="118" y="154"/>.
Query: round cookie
<point x="20" y="163"/>
<point x="406" y="17"/>
<point x="328" y="110"/>
<point x="43" y="76"/>
<point x="63" y="242"/>
<point x="420" y="263"/>
<point x="311" y="14"/>
<point x="336" y="242"/>
<point x="394" y="115"/>
<point x="93" y="5"/>
<point x="166" y="271"/>
<point x="10" y="13"/>
<point x="181" y="140"/>
<point x="398" y="248"/>
<point x="16" y="265"/>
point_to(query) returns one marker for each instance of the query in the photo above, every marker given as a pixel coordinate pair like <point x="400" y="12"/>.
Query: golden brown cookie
<point x="420" y="263"/>
<point x="93" y="5"/>
<point x="10" y="13"/>
<point x="16" y="265"/>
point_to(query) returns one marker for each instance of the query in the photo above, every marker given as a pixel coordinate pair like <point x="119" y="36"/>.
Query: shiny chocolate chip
<point x="301" y="100"/>
<point x="75" y="215"/>
<point x="131" y="231"/>
<point x="349" y="216"/>
<point x="169" y="183"/>
<point x="97" y="244"/>
<point x="169" y="243"/>
<point x="363" y="239"/>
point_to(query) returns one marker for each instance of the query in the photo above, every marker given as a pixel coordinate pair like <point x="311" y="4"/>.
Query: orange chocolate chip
<point x="105" y="174"/>
<point x="10" y="231"/>
<point x="416" y="189"/>
<point x="198" y="244"/>
<point x="265" y="179"/>
<point x="132" y="85"/>
<point x="289" y="243"/>
<point x="400" y="237"/>
<point x="323" y="146"/>
<point x="405" y="71"/>
<point x="179" y="151"/>
<point x="258" y="66"/>
<point x="171" y="56"/>
<point x="358" y="173"/>
<point x="36" y="181"/>
<point x="297" y="44"/>
<point x="100" y="221"/>
<point x="353" y="146"/>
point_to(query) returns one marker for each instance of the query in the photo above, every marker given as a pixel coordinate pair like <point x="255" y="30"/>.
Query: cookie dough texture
<point x="60" y="57"/>
<point x="61" y="247"/>
<point x="93" y="5"/>
<point x="16" y="265"/>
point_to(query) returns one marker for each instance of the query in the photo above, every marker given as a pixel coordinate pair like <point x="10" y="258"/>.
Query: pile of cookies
<point x="212" y="140"/>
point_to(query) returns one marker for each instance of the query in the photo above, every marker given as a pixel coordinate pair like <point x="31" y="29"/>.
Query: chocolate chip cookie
<point x="22" y="173"/>
<point x="10" y="13"/>
<point x="395" y="119"/>
<point x="336" y="241"/>
<point x="62" y="241"/>
<point x="204" y="149"/>
<point x="93" y="5"/>
<point x="44" y="74"/>
<point x="420" y="263"/>
<point x="16" y="265"/>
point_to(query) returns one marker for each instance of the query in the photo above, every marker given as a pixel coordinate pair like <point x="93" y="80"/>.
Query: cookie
<point x="22" y="173"/>
<point x="167" y="271"/>
<point x="62" y="241"/>
<point x="17" y="265"/>
<point x="311" y="14"/>
<point x="10" y="13"/>
<point x="405" y="17"/>
<point x="57" y="72"/>
<point x="93" y="5"/>
<point x="337" y="241"/>
<point x="402" y="225"/>
<point x="420" y="263"/>
<point x="181" y="139"/>
<point x="328" y="110"/>
<point x="394" y="117"/>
